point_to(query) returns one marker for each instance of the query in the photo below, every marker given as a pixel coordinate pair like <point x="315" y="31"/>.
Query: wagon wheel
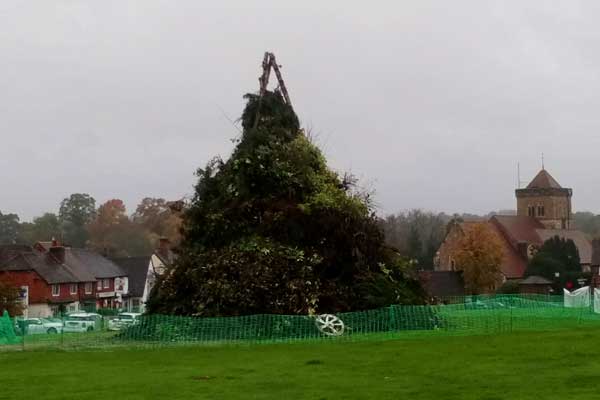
<point x="330" y="325"/>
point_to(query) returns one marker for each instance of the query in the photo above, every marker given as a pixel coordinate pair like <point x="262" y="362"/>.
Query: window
<point x="106" y="283"/>
<point x="531" y="211"/>
<point x="540" y="210"/>
<point x="73" y="288"/>
<point x="452" y="264"/>
<point x="88" y="288"/>
<point x="55" y="290"/>
<point x="99" y="285"/>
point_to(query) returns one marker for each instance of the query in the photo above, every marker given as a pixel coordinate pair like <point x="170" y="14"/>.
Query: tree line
<point x="107" y="229"/>
<point x="417" y="234"/>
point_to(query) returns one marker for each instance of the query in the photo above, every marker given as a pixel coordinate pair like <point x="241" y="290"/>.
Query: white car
<point x="34" y="326"/>
<point x="82" y="322"/>
<point x="123" y="320"/>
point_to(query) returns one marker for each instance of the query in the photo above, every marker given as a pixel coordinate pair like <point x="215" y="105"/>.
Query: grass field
<point x="526" y="365"/>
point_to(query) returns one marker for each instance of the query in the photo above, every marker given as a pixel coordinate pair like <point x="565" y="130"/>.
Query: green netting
<point x="457" y="316"/>
<point x="7" y="331"/>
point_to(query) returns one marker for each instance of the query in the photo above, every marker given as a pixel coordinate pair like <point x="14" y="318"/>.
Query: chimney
<point x="57" y="253"/>
<point x="164" y="247"/>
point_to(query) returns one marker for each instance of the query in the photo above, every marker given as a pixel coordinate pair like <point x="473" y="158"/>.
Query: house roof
<point x="442" y="283"/>
<point x="24" y="258"/>
<point x="581" y="242"/>
<point x="543" y="180"/>
<point x="136" y="269"/>
<point x="100" y="267"/>
<point x="535" y="280"/>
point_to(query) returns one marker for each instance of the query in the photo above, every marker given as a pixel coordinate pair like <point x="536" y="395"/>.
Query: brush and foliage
<point x="274" y="230"/>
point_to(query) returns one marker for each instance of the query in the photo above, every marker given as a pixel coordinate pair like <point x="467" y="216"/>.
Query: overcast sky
<point x="431" y="104"/>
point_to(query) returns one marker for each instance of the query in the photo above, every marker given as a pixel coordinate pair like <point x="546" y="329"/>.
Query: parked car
<point x="33" y="326"/>
<point x="123" y="320"/>
<point x="82" y="322"/>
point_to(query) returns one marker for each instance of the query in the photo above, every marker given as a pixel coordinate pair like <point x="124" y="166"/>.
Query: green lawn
<point x="530" y="365"/>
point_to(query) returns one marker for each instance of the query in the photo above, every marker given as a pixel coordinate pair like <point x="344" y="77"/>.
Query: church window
<point x="540" y="210"/>
<point x="531" y="211"/>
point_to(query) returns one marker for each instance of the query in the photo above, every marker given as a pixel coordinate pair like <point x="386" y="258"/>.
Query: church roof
<point x="543" y="180"/>
<point x="519" y="228"/>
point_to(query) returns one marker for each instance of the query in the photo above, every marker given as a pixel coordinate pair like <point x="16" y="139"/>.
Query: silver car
<point x="82" y="322"/>
<point x="36" y="326"/>
<point x="123" y="320"/>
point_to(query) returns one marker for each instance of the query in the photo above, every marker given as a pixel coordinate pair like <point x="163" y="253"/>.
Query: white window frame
<point x="71" y="286"/>
<point x="89" y="288"/>
<point x="55" y="293"/>
<point x="105" y="283"/>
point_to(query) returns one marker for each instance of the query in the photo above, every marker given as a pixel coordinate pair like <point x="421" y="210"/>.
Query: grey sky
<point x="432" y="104"/>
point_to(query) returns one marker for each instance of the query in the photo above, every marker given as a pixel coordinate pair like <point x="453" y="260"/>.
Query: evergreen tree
<point x="557" y="256"/>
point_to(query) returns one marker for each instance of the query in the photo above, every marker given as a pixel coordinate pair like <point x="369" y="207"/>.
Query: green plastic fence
<point x="7" y="331"/>
<point x="457" y="316"/>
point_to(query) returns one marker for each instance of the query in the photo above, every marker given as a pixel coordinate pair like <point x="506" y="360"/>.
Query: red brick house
<point x="111" y="281"/>
<point x="48" y="285"/>
<point x="55" y="278"/>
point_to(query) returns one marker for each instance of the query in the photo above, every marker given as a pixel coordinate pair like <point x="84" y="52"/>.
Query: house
<point x="48" y="285"/>
<point x="543" y="211"/>
<point x="535" y="284"/>
<point x="142" y="273"/>
<point x="136" y="269"/>
<point x="111" y="281"/>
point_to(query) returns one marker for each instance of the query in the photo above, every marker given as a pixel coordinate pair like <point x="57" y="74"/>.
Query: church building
<point x="543" y="211"/>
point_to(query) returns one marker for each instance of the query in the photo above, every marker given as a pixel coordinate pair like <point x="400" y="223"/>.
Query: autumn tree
<point x="113" y="234"/>
<point x="155" y="215"/>
<point x="479" y="255"/>
<point x="75" y="213"/>
<point x="10" y="300"/>
<point x="274" y="230"/>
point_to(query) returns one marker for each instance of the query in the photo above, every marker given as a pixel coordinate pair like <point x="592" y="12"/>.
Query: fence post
<point x="392" y="319"/>
<point x="511" y="317"/>
<point x="62" y="333"/>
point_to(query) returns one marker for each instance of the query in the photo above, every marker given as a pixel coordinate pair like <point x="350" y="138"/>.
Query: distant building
<point x="111" y="280"/>
<point x="143" y="273"/>
<point x="545" y="200"/>
<point x="55" y="278"/>
<point x="543" y="211"/>
<point x="535" y="284"/>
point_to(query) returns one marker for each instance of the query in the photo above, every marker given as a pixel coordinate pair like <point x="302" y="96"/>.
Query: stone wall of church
<point x="556" y="209"/>
<point x="444" y="260"/>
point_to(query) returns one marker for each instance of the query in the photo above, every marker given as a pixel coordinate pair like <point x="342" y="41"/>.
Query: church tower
<point x="545" y="200"/>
